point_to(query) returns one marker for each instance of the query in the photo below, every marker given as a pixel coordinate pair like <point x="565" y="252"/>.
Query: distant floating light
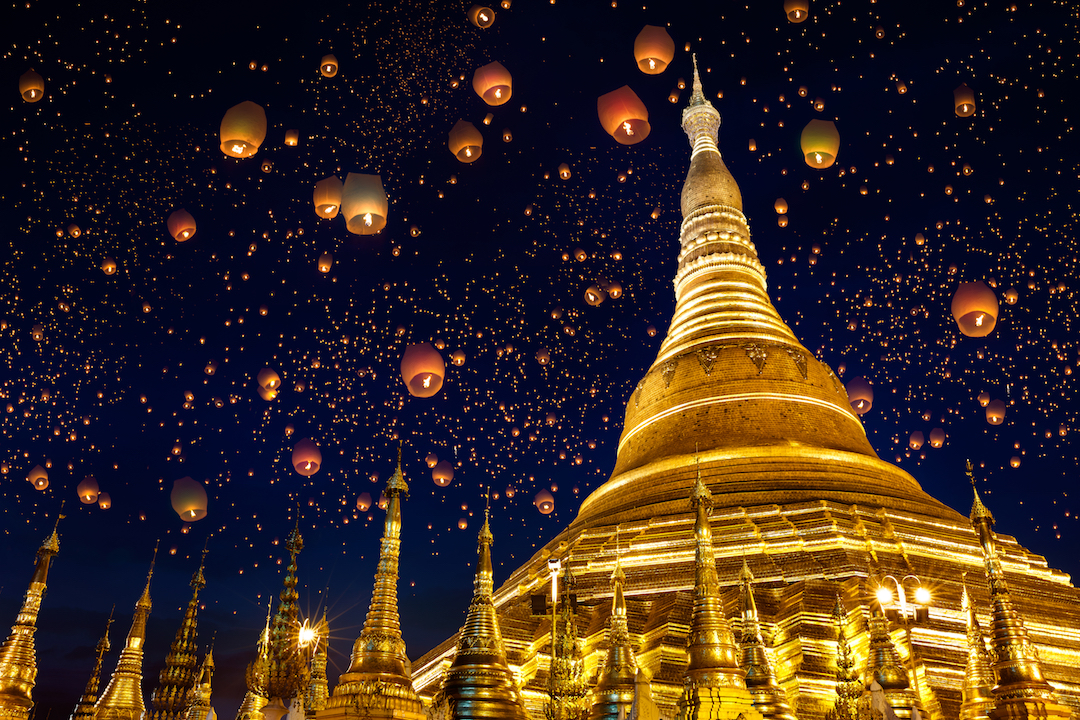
<point x="243" y="130"/>
<point x="38" y="477"/>
<point x="458" y="357"/>
<point x="104" y="501"/>
<point x="422" y="369"/>
<point x="267" y="165"/>
<point x="860" y="395"/>
<point x="1014" y="461"/>
<point x="916" y="440"/>
<point x="292" y="137"/>
<point x="653" y="49"/>
<point x="614" y="290"/>
<point x="432" y="460"/>
<point x="481" y="16"/>
<point x="796" y="10"/>
<point x="623" y="116"/>
<point x="74" y="230"/>
<point x="88" y="490"/>
<point x="493" y="83"/>
<point x="443" y="473"/>
<point x="465" y="142"/>
<point x="462" y="524"/>
<point x="306" y="457"/>
<point x="544" y="502"/>
<point x="1011" y="296"/>
<point x="964" y="101"/>
<point x="327" y="197"/>
<point x="820" y="143"/>
<point x="31" y="86"/>
<point x="363" y="501"/>
<point x="108" y="266"/>
<point x="937" y="437"/>
<point x="995" y="412"/>
<point x="328" y="66"/>
<point x="975" y="309"/>
<point x="326" y="261"/>
<point x="181" y="225"/>
<point x="364" y="203"/>
<point x="188" y="499"/>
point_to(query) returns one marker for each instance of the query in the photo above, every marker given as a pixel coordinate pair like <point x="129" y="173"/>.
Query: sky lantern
<point x="964" y="101"/>
<point x="37" y="332"/>
<point x="653" y="49"/>
<point x="104" y="501"/>
<point x="327" y="197"/>
<point x="422" y="369"/>
<point x="181" y="225"/>
<point x="462" y="524"/>
<point x="564" y="171"/>
<point x="328" y="66"/>
<point x="443" y="473"/>
<point x="266" y="394"/>
<point x="108" y="265"/>
<point x="984" y="398"/>
<point x="780" y="206"/>
<point x="363" y="501"/>
<point x="543" y="356"/>
<point x="995" y="412"/>
<point x="1014" y="461"/>
<point x="975" y="309"/>
<point x="466" y="142"/>
<point x="594" y="295"/>
<point x="188" y="498"/>
<point x="796" y="10"/>
<point x="88" y="490"/>
<point x="860" y="395"/>
<point x="493" y="83"/>
<point x="481" y="16"/>
<point x="364" y="203"/>
<point x="31" y="86"/>
<point x="292" y="137"/>
<point x="432" y="460"/>
<point x="820" y="143"/>
<point x="268" y="379"/>
<point x="782" y="220"/>
<point x="74" y="230"/>
<point x="306" y="458"/>
<point x="243" y="130"/>
<point x="267" y="165"/>
<point x="38" y="477"/>
<point x="1011" y="296"/>
<point x="623" y="116"/>
<point x="937" y="437"/>
<point x="544" y="502"/>
<point x="326" y="261"/>
<point x="458" y="357"/>
<point x="614" y="290"/>
<point x="916" y="440"/>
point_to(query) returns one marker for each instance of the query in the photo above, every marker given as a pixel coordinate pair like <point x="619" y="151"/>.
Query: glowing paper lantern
<point x="188" y="498"/>
<point x="493" y="83"/>
<point x="975" y="309"/>
<point x="916" y="440"/>
<point x="74" y="230"/>
<point x="306" y="457"/>
<point x="780" y="206"/>
<point x="88" y="490"/>
<point x="432" y="460"/>
<point x="623" y="116"/>
<point x="108" y="266"/>
<point x="364" y="204"/>
<point x="327" y="197"/>
<point x="481" y="16"/>
<point x="466" y="142"/>
<point x="243" y="130"/>
<point x="31" y="86"/>
<point x="104" y="501"/>
<point x="292" y="137"/>
<point x="564" y="171"/>
<point x="594" y="295"/>
<point x="820" y="143"/>
<point x="1011" y="296"/>
<point x="860" y="395"/>
<point x="964" y="101"/>
<point x="462" y="524"/>
<point x="458" y="357"/>
<point x="37" y="332"/>
<point x="38" y="477"/>
<point x="544" y="502"/>
<point x="422" y="369"/>
<point x="328" y="66"/>
<point x="543" y="356"/>
<point x="995" y="412"/>
<point x="614" y="290"/>
<point x="266" y="394"/>
<point x="268" y="379"/>
<point x="796" y="10"/>
<point x="653" y="49"/>
<point x="443" y="473"/>
<point x="984" y="398"/>
<point x="1014" y="461"/>
<point x="363" y="501"/>
<point x="326" y="261"/>
<point x="181" y="225"/>
<point x="937" y="437"/>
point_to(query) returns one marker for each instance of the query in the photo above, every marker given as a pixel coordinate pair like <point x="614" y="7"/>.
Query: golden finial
<point x="697" y="97"/>
<point x="978" y="510"/>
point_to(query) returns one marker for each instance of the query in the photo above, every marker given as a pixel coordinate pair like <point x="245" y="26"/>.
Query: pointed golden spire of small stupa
<point x="478" y="684"/>
<point x="256" y="698"/>
<point x="849" y="687"/>
<point x="614" y="692"/>
<point x="977" y="700"/>
<point x="123" y="698"/>
<point x="714" y="685"/>
<point x="769" y="697"/>
<point x="84" y="709"/>
<point x="18" y="657"/>
<point x="379" y="670"/>
<point x="1020" y="691"/>
<point x="285" y="672"/>
<point x="885" y="667"/>
<point x="178" y="677"/>
<point x="198" y="706"/>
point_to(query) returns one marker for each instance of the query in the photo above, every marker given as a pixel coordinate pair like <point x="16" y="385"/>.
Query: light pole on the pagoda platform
<point x="897" y="608"/>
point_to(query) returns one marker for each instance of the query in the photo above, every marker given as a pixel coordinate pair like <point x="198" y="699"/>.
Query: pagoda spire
<point x="285" y="671"/>
<point x="769" y="697"/>
<point x="198" y="705"/>
<point x="479" y="684"/>
<point x="256" y="698"/>
<point x="84" y="709"/>
<point x="379" y="674"/>
<point x="123" y="698"/>
<point x="1020" y="690"/>
<point x="714" y="686"/>
<point x="18" y="657"/>
<point x="614" y="693"/>
<point x="849" y="688"/>
<point x="885" y="667"/>
<point x="317" y="690"/>
<point x="177" y="678"/>
<point x="977" y="698"/>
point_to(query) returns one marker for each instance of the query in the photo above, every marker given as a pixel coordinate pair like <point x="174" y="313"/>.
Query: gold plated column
<point x="84" y="709"/>
<point x="123" y="698"/>
<point x="769" y="697"/>
<point x="614" y="692"/>
<point x="169" y="699"/>
<point x="977" y="698"/>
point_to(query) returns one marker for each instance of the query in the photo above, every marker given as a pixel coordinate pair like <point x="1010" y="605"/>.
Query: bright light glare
<point x="884" y="595"/>
<point x="922" y="596"/>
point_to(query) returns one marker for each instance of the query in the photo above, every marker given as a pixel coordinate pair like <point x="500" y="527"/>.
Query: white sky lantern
<point x="481" y="16"/>
<point x="465" y="142"/>
<point x="653" y="49"/>
<point x="975" y="309"/>
<point x="181" y="225"/>
<point x="31" y="86"/>
<point x="188" y="498"/>
<point x="243" y="130"/>
<point x="860" y="395"/>
<point x="364" y="204"/>
<point x="422" y="369"/>
<point x="328" y="66"/>
<point x="88" y="490"/>
<point x="493" y="84"/>
<point x="327" y="197"/>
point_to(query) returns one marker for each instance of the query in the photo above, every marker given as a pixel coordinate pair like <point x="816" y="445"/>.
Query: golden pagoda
<point x="318" y="692"/>
<point x="169" y="700"/>
<point x="884" y="667"/>
<point x="286" y="667"/>
<point x="18" y="658"/>
<point x="714" y="686"/>
<point x="797" y="491"/>
<point x="1021" y="691"/>
<point x="84" y="709"/>
<point x="197" y="705"/>
<point x="378" y="681"/>
<point x="123" y="698"/>
<point x="614" y="693"/>
<point x="849" y="688"/>
<point x="479" y="685"/>
<point x="568" y="688"/>
<point x="977" y="698"/>
<point x="769" y="697"/>
<point x="256" y="698"/>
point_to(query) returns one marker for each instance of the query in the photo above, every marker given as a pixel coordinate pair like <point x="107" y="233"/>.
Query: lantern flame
<point x="330" y="208"/>
<point x="652" y="64"/>
<point x="238" y="148"/>
<point x="484" y="18"/>
<point x="979" y="320"/>
<point x="817" y="158"/>
<point x="427" y="381"/>
<point x="627" y="129"/>
<point x="798" y="14"/>
<point x="498" y="93"/>
<point x="468" y="152"/>
<point x="367" y="219"/>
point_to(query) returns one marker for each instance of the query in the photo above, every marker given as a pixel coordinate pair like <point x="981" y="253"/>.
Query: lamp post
<point x="897" y="609"/>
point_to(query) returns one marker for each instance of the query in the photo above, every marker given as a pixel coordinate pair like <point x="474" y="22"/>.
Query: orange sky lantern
<point x="493" y="83"/>
<point x="466" y="142"/>
<point x="653" y="49"/>
<point x="481" y="16"/>
<point x="964" y="101"/>
<point x="188" y="498"/>
<point x="544" y="502"/>
<point x="88" y="490"/>
<point x="306" y="457"/>
<point x="422" y="369"/>
<point x="820" y="143"/>
<point x="328" y="66"/>
<point x="327" y="197"/>
<point x="975" y="309"/>
<point x="243" y="130"/>
<point x="797" y="10"/>
<point x="860" y="395"/>
<point x="181" y="225"/>
<point x="364" y="203"/>
<point x="995" y="412"/>
<point x="31" y="86"/>
<point x="623" y="116"/>
<point x="443" y="473"/>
